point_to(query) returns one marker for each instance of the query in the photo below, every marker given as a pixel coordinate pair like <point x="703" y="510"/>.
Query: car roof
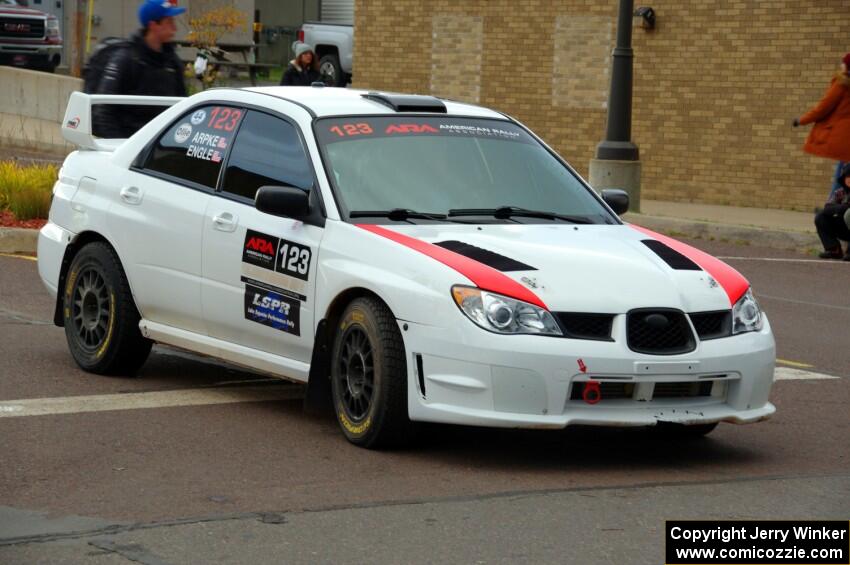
<point x="326" y="101"/>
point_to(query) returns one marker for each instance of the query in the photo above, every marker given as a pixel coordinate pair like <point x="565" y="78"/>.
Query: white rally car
<point x="414" y="259"/>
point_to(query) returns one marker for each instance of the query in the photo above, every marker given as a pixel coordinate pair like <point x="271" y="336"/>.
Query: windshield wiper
<point x="507" y="212"/>
<point x="396" y="214"/>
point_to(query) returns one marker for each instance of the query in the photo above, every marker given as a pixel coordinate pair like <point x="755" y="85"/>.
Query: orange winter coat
<point x="830" y="137"/>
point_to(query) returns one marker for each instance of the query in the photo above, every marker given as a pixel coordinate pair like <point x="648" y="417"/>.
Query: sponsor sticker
<point x="73" y="123"/>
<point x="183" y="133"/>
<point x="260" y="249"/>
<point x="198" y="117"/>
<point x="272" y="309"/>
<point x="293" y="259"/>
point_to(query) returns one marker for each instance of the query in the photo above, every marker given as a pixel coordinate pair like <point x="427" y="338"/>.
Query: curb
<point x="18" y="240"/>
<point x="746" y="235"/>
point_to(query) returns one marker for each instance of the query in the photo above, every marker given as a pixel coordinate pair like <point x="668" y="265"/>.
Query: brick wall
<point x="716" y="83"/>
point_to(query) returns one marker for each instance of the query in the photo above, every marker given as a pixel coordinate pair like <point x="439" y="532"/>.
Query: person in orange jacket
<point x="830" y="137"/>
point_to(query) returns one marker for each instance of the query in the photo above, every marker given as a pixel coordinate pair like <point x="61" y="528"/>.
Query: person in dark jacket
<point x="303" y="70"/>
<point x="830" y="221"/>
<point x="149" y="66"/>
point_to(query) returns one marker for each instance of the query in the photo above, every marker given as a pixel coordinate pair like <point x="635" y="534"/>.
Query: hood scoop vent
<point x="670" y="256"/>
<point x="489" y="258"/>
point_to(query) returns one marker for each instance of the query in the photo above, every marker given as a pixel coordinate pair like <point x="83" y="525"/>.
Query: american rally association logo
<point x="198" y="117"/>
<point x="184" y="132"/>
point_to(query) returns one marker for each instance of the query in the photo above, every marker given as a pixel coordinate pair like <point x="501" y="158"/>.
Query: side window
<point x="194" y="146"/>
<point x="267" y="152"/>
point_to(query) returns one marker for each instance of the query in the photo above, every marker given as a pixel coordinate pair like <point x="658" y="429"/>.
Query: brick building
<point x="716" y="83"/>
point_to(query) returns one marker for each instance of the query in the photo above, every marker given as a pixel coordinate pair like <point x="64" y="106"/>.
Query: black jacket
<point x="295" y="76"/>
<point x="136" y="70"/>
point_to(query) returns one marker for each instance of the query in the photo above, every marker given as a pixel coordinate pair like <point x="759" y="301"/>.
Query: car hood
<point x="578" y="268"/>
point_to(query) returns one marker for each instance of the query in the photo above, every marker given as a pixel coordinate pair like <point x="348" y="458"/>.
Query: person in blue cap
<point x="146" y="64"/>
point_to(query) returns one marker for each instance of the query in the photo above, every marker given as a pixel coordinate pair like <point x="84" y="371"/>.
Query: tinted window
<point x="267" y="152"/>
<point x="195" y="145"/>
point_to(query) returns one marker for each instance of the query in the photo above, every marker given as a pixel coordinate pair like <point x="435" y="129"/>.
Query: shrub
<point x="25" y="190"/>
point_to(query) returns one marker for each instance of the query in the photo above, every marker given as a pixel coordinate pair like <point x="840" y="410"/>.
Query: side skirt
<point x="238" y="354"/>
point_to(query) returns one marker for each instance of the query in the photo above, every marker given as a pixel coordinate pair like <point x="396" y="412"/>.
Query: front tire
<point x="101" y="320"/>
<point x="369" y="376"/>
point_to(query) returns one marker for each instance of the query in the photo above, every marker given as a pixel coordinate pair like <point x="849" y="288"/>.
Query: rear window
<point x="193" y="148"/>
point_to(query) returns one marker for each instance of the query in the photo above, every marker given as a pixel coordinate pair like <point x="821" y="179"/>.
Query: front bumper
<point x="26" y="53"/>
<point x="463" y="375"/>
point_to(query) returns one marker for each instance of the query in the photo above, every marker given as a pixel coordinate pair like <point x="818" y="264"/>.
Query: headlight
<point x="746" y="314"/>
<point x="52" y="27"/>
<point x="500" y="314"/>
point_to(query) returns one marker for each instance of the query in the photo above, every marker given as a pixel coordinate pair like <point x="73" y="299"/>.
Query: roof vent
<point x="408" y="102"/>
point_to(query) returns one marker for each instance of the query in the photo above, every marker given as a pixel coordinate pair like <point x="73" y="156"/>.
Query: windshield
<point x="455" y="166"/>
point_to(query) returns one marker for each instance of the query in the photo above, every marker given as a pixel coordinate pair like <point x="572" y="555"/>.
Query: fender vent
<point x="489" y="258"/>
<point x="671" y="256"/>
<point x="420" y="371"/>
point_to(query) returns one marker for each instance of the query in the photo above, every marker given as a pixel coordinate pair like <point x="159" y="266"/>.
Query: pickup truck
<point x="334" y="46"/>
<point x="29" y="38"/>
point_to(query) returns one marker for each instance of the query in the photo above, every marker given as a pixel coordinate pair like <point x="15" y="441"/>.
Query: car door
<point x="260" y="270"/>
<point x="157" y="221"/>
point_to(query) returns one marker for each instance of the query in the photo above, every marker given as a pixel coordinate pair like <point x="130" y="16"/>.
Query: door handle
<point x="225" y="222"/>
<point x="131" y="195"/>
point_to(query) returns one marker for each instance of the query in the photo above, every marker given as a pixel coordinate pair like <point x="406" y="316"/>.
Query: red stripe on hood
<point x="484" y="277"/>
<point x="731" y="280"/>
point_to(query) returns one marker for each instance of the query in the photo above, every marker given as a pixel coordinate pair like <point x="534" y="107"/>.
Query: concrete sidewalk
<point x="778" y="229"/>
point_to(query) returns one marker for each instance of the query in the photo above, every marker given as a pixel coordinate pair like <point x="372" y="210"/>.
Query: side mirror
<point x="617" y="199"/>
<point x="286" y="201"/>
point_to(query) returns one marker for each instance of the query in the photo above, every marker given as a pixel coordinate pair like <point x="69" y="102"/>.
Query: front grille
<point x="586" y="326"/>
<point x="682" y="390"/>
<point x="607" y="390"/>
<point x="659" y="332"/>
<point x="620" y="390"/>
<point x="712" y="325"/>
<point x="21" y="28"/>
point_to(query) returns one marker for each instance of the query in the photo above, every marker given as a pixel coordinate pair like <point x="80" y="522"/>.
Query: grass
<point x="26" y="190"/>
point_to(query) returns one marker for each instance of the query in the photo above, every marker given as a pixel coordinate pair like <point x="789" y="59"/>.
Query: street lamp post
<point x="617" y="163"/>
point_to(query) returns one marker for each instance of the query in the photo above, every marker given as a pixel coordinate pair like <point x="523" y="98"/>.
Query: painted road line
<point x="138" y="400"/>
<point x="27" y="257"/>
<point x="780" y="260"/>
<point x="789" y="374"/>
<point x="794" y="364"/>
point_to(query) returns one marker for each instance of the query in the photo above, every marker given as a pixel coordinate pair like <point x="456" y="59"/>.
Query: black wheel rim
<point x="90" y="309"/>
<point x="356" y="373"/>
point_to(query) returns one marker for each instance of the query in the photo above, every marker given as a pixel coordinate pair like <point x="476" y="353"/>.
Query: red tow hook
<point x="591" y="393"/>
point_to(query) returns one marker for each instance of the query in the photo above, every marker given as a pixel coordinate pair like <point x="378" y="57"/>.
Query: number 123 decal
<point x="293" y="259"/>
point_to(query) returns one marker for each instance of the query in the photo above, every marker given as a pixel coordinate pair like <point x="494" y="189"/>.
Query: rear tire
<point x="369" y="377"/>
<point x="331" y="70"/>
<point x="101" y="320"/>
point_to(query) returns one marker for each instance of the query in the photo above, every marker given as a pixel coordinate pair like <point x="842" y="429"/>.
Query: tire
<point x="101" y="320"/>
<point x="331" y="70"/>
<point x="369" y="377"/>
<point x="680" y="431"/>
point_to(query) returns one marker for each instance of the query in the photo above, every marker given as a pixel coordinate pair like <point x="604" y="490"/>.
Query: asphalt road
<point x="224" y="466"/>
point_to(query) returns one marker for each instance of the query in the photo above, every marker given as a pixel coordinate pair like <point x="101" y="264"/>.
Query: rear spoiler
<point x="77" y="124"/>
